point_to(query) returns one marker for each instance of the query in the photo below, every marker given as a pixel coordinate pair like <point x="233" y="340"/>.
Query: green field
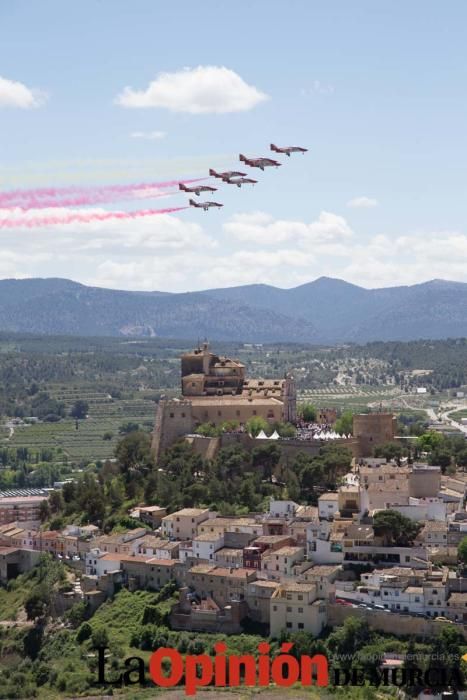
<point x="85" y="440"/>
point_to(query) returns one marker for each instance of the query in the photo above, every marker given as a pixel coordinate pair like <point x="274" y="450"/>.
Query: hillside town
<point x="382" y="546"/>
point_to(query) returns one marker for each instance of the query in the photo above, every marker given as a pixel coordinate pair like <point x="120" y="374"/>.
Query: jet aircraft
<point x="197" y="189"/>
<point x="239" y="181"/>
<point x="259" y="162"/>
<point x="227" y="175"/>
<point x="287" y="149"/>
<point x="204" y="205"/>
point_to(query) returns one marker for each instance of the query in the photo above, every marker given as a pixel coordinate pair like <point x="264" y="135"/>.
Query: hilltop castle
<point x="215" y="390"/>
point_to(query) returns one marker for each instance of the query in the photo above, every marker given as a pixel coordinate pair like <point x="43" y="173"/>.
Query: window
<point x="288" y="625"/>
<point x="300" y="596"/>
<point x="300" y="610"/>
<point x="289" y="609"/>
<point x="274" y="607"/>
<point x="171" y="415"/>
<point x="301" y="625"/>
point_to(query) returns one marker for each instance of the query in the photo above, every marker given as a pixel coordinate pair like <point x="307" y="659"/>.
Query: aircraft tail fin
<point x="212" y="172"/>
<point x="242" y="158"/>
<point x="182" y="187"/>
<point x="192" y="203"/>
<point x="273" y="147"/>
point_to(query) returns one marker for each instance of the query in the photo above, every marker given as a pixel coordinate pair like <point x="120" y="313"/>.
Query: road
<point x="453" y="423"/>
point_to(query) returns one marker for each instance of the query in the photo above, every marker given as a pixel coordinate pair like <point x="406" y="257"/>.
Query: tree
<point x="461" y="458"/>
<point x="37" y="603"/>
<point x="127" y="428"/>
<point x="441" y="457"/>
<point x="462" y="550"/>
<point x="56" y="501"/>
<point x="308" y="412"/>
<point x="266" y="457"/>
<point x="389" y="450"/>
<point x="79" y="409"/>
<point x="99" y="637"/>
<point x="44" y="511"/>
<point x="344" y="424"/>
<point x="396" y="528"/>
<point x="134" y="451"/>
<point x="84" y="632"/>
<point x="348" y="639"/>
<point x="256" y="424"/>
<point x="285" y="430"/>
<point x="430" y="441"/>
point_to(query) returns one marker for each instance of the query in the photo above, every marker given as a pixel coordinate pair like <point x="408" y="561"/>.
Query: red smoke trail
<point x="8" y="199"/>
<point x="83" y="200"/>
<point x="83" y="218"/>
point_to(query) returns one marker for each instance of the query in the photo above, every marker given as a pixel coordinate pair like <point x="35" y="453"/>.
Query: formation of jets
<point x="234" y="177"/>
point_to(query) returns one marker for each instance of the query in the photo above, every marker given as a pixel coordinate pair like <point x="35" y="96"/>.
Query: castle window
<point x="171" y="415"/>
<point x="183" y="415"/>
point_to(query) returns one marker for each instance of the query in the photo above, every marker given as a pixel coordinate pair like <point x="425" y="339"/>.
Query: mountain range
<point x="325" y="311"/>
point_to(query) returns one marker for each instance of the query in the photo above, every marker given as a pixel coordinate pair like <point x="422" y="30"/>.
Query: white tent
<point x="274" y="436"/>
<point x="261" y="435"/>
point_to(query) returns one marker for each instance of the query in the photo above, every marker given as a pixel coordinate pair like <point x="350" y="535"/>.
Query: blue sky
<point x="375" y="90"/>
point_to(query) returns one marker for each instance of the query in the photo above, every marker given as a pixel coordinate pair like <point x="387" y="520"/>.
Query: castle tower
<point x="206" y="358"/>
<point x="174" y="419"/>
<point x="289" y="412"/>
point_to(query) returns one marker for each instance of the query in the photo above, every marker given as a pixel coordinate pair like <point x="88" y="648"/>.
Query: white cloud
<point x="148" y="135"/>
<point x="201" y="90"/>
<point x="259" y="227"/>
<point x="362" y="203"/>
<point x="173" y="253"/>
<point x="15" y="94"/>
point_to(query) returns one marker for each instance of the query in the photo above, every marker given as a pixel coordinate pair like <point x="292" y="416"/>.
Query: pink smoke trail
<point x="17" y="196"/>
<point x="83" y="218"/>
<point x="84" y="200"/>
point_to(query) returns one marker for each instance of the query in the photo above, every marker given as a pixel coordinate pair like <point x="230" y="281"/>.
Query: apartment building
<point x="245" y="525"/>
<point x="280" y="563"/>
<point x="221" y="584"/>
<point x="258" y="598"/>
<point x="228" y="557"/>
<point x="20" y="508"/>
<point x="324" y="541"/>
<point x="328" y="505"/>
<point x="296" y="607"/>
<point x="206" y="544"/>
<point x="183" y="524"/>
